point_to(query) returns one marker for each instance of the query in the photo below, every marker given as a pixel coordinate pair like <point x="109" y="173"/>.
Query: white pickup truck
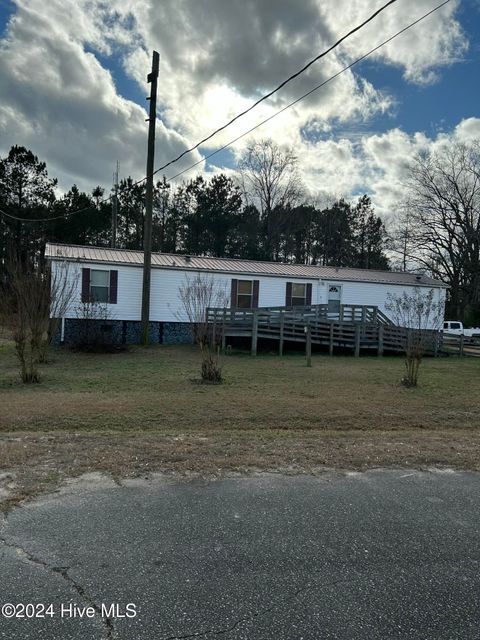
<point x="456" y="328"/>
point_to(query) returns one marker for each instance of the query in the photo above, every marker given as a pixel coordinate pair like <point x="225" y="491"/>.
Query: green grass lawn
<point x="155" y="388"/>
<point x="144" y="410"/>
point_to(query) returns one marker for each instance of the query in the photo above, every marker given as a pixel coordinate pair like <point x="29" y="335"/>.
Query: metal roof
<point x="234" y="265"/>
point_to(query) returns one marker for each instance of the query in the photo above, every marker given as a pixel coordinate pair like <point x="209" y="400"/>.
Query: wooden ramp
<point x="461" y="346"/>
<point x="355" y="327"/>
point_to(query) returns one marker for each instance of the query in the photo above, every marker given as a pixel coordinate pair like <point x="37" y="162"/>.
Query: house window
<point x="299" y="295"/>
<point x="245" y="294"/>
<point x="99" y="285"/>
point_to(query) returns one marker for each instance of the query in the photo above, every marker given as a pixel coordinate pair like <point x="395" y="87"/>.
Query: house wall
<point x="165" y="302"/>
<point x="166" y="306"/>
<point x="366" y="293"/>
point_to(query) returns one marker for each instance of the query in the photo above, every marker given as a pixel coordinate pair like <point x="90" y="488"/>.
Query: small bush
<point x="211" y="370"/>
<point x="197" y="295"/>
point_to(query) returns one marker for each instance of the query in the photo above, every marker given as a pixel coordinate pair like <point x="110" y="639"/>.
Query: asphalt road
<point x="386" y="554"/>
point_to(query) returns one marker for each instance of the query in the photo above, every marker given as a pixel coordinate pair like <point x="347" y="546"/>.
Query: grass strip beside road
<point x="135" y="412"/>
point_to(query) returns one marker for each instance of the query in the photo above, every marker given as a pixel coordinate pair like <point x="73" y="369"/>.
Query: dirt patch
<point x="37" y="462"/>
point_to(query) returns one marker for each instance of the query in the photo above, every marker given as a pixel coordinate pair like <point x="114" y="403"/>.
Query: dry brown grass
<point x="134" y="412"/>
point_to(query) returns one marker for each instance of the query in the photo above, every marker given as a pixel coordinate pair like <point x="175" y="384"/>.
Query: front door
<point x="334" y="298"/>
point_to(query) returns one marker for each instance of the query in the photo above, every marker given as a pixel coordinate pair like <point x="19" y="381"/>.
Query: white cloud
<point x="57" y="98"/>
<point x="468" y="130"/>
<point x="376" y="164"/>
<point x="421" y="51"/>
<point x="245" y="49"/>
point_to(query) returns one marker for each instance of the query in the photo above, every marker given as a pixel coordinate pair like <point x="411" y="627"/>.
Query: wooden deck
<point x="461" y="346"/>
<point x="355" y="327"/>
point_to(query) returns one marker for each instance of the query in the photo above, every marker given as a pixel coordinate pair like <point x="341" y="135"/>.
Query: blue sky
<point x="81" y="128"/>
<point x="6" y="9"/>
<point x="441" y="105"/>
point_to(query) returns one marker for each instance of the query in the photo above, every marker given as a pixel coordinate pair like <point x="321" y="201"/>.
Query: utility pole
<point x="115" y="207"/>
<point x="147" y="227"/>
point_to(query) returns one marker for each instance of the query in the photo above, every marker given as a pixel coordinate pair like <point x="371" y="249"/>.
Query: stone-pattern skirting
<point x="122" y="332"/>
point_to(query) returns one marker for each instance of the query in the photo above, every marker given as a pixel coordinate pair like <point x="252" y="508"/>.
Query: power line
<point x="262" y="99"/>
<point x="280" y="86"/>
<point x="277" y="113"/>
<point x="305" y="95"/>
<point x="64" y="217"/>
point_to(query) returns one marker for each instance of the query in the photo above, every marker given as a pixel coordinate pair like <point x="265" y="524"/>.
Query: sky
<point x="73" y="86"/>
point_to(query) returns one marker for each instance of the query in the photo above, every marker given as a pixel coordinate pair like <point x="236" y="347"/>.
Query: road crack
<point x="110" y="632"/>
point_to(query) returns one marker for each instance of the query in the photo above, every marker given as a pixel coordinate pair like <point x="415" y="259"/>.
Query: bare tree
<point x="14" y="319"/>
<point x="400" y="240"/>
<point x="422" y="316"/>
<point x="197" y="294"/>
<point x="444" y="201"/>
<point x="24" y="309"/>
<point x="62" y="286"/>
<point x="270" y="179"/>
<point x="32" y="302"/>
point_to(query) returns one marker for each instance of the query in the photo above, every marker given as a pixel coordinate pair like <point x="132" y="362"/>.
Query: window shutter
<point x="85" y="285"/>
<point x="308" y="297"/>
<point x="113" y="286"/>
<point x="256" y="289"/>
<point x="233" y="298"/>
<point x="288" y="295"/>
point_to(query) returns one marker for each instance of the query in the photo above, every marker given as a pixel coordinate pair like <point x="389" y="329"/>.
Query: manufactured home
<point x="113" y="277"/>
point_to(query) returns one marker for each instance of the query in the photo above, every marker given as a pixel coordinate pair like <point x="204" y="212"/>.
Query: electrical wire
<point x="262" y="99"/>
<point x="280" y="86"/>
<point x="305" y="95"/>
<point x="277" y="113"/>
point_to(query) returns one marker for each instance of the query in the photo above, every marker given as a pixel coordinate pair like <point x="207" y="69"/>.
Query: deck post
<point x="223" y="328"/>
<point x="214" y="330"/>
<point x="280" y="341"/>
<point x="254" y="332"/>
<point x="330" y="345"/>
<point x="435" y="345"/>
<point x="357" y="340"/>
<point x="308" y="344"/>
<point x="381" y="330"/>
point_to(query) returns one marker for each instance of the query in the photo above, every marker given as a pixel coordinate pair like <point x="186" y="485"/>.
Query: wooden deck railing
<point x="460" y="346"/>
<point x="353" y="327"/>
<point x="346" y="313"/>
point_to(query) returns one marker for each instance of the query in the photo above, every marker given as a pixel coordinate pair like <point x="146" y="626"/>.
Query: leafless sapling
<point x="25" y="310"/>
<point x="197" y="294"/>
<point x="421" y="314"/>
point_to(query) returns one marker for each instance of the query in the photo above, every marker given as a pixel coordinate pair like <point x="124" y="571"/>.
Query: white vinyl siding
<point x="165" y="284"/>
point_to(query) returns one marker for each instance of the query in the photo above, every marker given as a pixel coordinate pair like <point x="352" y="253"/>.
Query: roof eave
<point x="189" y="267"/>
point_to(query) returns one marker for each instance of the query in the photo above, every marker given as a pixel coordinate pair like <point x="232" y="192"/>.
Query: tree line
<point x="264" y="214"/>
<point x="211" y="217"/>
